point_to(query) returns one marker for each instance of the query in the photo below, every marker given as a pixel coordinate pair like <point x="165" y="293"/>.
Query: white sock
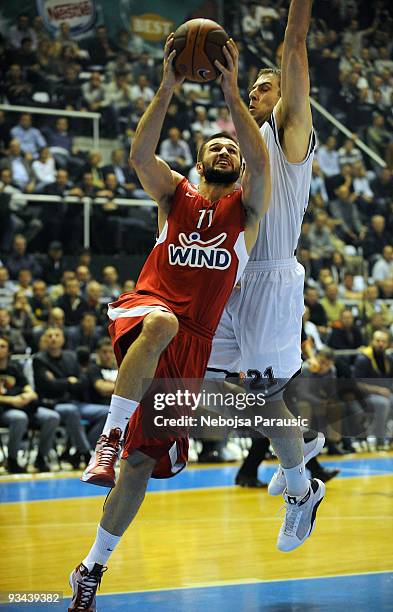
<point x="102" y="548"/>
<point x="120" y="412"/>
<point x="297" y="482"/>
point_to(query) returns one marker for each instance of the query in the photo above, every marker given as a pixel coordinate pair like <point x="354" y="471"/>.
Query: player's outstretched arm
<point x="293" y="111"/>
<point x="157" y="179"/>
<point x="256" y="178"/>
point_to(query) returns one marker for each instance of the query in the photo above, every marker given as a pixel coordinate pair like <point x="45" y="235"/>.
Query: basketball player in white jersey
<point x="261" y="326"/>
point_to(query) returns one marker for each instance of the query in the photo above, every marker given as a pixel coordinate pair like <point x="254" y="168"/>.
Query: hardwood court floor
<point x="198" y="532"/>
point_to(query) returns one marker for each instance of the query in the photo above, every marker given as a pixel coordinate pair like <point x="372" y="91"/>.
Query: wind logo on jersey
<point x="196" y="253"/>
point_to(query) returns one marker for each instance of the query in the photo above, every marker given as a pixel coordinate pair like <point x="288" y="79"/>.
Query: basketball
<point x="198" y="44"/>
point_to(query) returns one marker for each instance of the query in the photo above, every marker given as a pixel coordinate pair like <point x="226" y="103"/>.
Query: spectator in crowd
<point x="348" y="153"/>
<point x="311" y="330"/>
<point x="22" y="317"/>
<point x="25" y="279"/>
<point x="22" y="175"/>
<point x="86" y="186"/>
<point x="96" y="100"/>
<point x="94" y="166"/>
<point x="19" y="405"/>
<point x="317" y="311"/>
<point x="318" y="185"/>
<point x="382" y="188"/>
<point x="44" y="170"/>
<point x="383" y="268"/>
<point x="39" y="302"/>
<point x="111" y="288"/>
<point x="58" y="290"/>
<point x="376" y="237"/>
<point x="176" y="152"/>
<point x="348" y="336"/>
<point x="347" y="290"/>
<point x="19" y="258"/>
<point x="376" y="365"/>
<point x="73" y="305"/>
<point x="101" y="49"/>
<point x="224" y="121"/>
<point x="21" y="30"/>
<point x="142" y="89"/>
<point x="332" y="306"/>
<point x="14" y="336"/>
<point x="320" y="238"/>
<point x="371" y="304"/>
<point x="58" y="217"/>
<point x="119" y="64"/>
<point x="7" y="287"/>
<point x="343" y="209"/>
<point x="377" y="136"/>
<point x="102" y="374"/>
<point x="59" y="384"/>
<point x="83" y="275"/>
<point x="17" y="90"/>
<point x="202" y="123"/>
<point x="122" y="171"/>
<point x="30" y="138"/>
<point x="328" y="157"/>
<point x="119" y="96"/>
<point x="87" y="333"/>
<point x="53" y="264"/>
<point x="60" y="141"/>
<point x="94" y="302"/>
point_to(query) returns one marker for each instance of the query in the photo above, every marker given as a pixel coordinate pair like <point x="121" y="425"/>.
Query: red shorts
<point x="185" y="357"/>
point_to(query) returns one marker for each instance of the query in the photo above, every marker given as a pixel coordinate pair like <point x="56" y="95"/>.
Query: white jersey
<point x="279" y="229"/>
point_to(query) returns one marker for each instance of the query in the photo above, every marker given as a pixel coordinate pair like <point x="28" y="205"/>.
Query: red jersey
<point x="198" y="257"/>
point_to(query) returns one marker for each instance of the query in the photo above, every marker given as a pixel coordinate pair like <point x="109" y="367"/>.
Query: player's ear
<point x="199" y="168"/>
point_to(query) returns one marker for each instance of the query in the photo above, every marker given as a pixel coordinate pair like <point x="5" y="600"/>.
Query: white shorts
<point x="260" y="327"/>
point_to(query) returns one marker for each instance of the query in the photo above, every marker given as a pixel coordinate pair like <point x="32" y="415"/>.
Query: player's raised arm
<point x="157" y="179"/>
<point x="294" y="111"/>
<point x="256" y="178"/>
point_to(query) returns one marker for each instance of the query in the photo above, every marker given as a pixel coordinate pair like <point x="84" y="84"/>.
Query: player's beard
<point x="220" y="176"/>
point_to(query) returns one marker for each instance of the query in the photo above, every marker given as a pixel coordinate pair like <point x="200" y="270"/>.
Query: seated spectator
<point x="73" y="305"/>
<point x="328" y="158"/>
<point x="95" y="304"/>
<point x="348" y="336"/>
<point x="344" y="210"/>
<point x="7" y="287"/>
<point x="112" y="188"/>
<point x="119" y="64"/>
<point x="310" y="271"/>
<point x="376" y="237"/>
<point x="58" y="382"/>
<point x="141" y="89"/>
<point x="102" y="374"/>
<point x="111" y="288"/>
<point x="202" y="123"/>
<point x="376" y="365"/>
<point x="86" y="186"/>
<point x="58" y="213"/>
<point x="22" y="317"/>
<point x="377" y="136"/>
<point x="18" y="91"/>
<point x="371" y="305"/>
<point x="319" y="236"/>
<point x="27" y="58"/>
<point x="39" y="302"/>
<point x="347" y="291"/>
<point x="96" y="101"/>
<point x="20" y="30"/>
<point x="14" y="336"/>
<point x="19" y="258"/>
<point x="383" y="268"/>
<point x="53" y="264"/>
<point x="251" y="23"/>
<point x="122" y="171"/>
<point x="19" y="406"/>
<point x="176" y="152"/>
<point x="348" y="153"/>
<point x="382" y="188"/>
<point x="119" y="95"/>
<point x="83" y="275"/>
<point x="100" y="47"/>
<point x="224" y="121"/>
<point x="94" y="166"/>
<point x="317" y="311"/>
<point x="362" y="189"/>
<point x="128" y="286"/>
<point x="22" y="175"/>
<point x="376" y="323"/>
<point x="318" y="185"/>
<point x="68" y="68"/>
<point x="332" y="306"/>
<point x="24" y="283"/>
<point x="86" y="334"/>
<point x="56" y="291"/>
<point x="30" y="138"/>
<point x="60" y="141"/>
<point x="386" y="289"/>
<point x="44" y="170"/>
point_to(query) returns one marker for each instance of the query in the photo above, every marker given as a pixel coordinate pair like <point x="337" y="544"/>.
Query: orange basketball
<point x="198" y="43"/>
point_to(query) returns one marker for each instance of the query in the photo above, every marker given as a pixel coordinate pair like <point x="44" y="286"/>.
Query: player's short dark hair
<point x="213" y="137"/>
<point x="275" y="71"/>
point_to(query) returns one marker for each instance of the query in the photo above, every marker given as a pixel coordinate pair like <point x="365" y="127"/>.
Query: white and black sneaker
<point x="300" y="514"/>
<point x="311" y="449"/>
<point x="84" y="586"/>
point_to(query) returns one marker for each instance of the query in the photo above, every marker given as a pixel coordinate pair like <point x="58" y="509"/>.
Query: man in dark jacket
<point x="18" y="408"/>
<point x="375" y="369"/>
<point x="348" y="336"/>
<point x="59" y="383"/>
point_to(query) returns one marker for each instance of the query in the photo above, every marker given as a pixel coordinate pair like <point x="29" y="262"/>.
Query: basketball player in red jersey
<point x="165" y="329"/>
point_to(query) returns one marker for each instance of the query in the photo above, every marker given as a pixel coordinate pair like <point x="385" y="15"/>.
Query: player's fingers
<point x="229" y="58"/>
<point x="220" y="66"/>
<point x="171" y="56"/>
<point x="233" y="46"/>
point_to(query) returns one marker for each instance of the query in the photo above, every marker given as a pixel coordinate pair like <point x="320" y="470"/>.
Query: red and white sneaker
<point x="101" y="468"/>
<point x="84" y="586"/>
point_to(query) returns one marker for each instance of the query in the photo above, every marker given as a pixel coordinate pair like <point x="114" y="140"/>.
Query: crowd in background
<point x="346" y="244"/>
